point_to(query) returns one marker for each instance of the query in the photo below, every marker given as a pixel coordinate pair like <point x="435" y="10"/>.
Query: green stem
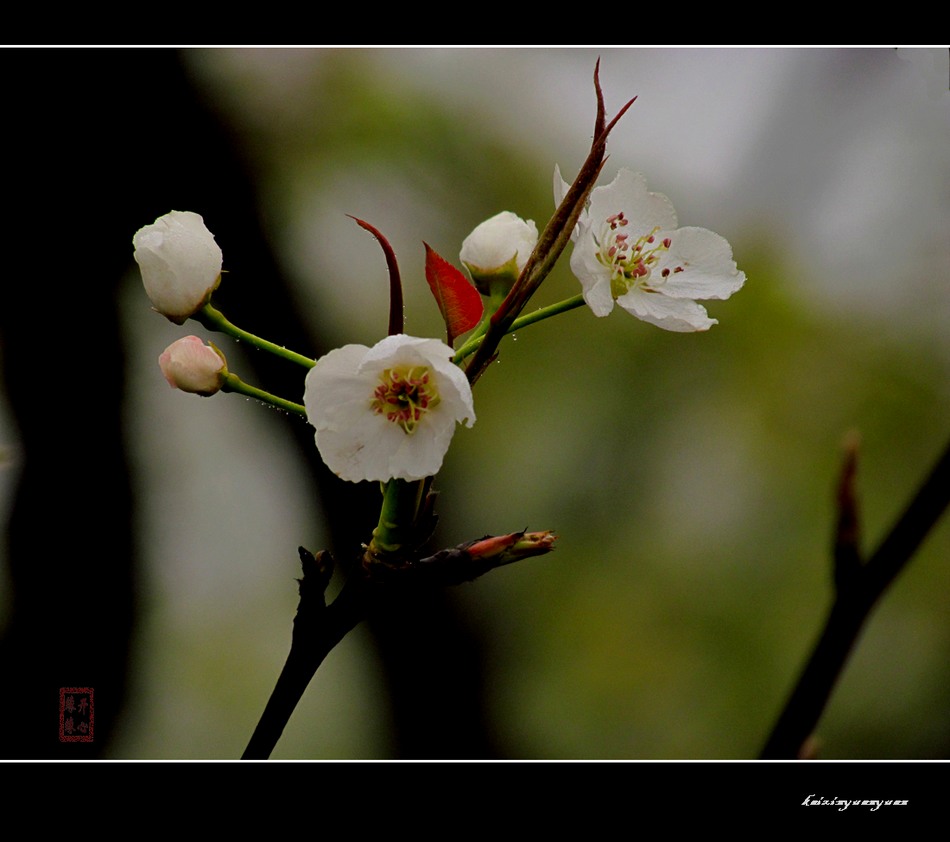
<point x="233" y="383"/>
<point x="214" y="320"/>
<point x="472" y="343"/>
<point x="402" y="500"/>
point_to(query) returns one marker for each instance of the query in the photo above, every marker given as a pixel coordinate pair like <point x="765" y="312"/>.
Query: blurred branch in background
<point x="858" y="587"/>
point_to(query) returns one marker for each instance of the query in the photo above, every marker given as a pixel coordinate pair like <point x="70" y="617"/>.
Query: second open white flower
<point x="387" y="412"/>
<point x="628" y="249"/>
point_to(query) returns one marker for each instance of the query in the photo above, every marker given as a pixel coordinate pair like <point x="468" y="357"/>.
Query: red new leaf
<point x="459" y="302"/>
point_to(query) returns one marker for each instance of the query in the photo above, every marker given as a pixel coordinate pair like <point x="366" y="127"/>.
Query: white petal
<point x="334" y="383"/>
<point x="560" y="186"/>
<point x="628" y="193"/>
<point x="420" y="454"/>
<point x="455" y="391"/>
<point x="349" y="452"/>
<point x="593" y="275"/>
<point x="677" y="314"/>
<point x="706" y="259"/>
<point x="402" y="349"/>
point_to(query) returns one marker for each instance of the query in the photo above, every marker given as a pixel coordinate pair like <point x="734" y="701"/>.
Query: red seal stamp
<point x="76" y="714"/>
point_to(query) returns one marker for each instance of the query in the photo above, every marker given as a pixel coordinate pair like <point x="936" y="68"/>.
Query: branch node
<point x="317" y="572"/>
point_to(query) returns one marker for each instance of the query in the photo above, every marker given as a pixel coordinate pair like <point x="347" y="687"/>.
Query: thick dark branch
<point x="317" y="629"/>
<point x="857" y="593"/>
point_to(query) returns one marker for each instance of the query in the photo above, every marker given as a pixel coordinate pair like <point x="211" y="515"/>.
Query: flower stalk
<point x="397" y="516"/>
<point x="233" y="383"/>
<point x="475" y="340"/>
<point x="215" y="320"/>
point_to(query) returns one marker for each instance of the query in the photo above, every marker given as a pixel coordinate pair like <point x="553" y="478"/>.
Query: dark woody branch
<point x="858" y="586"/>
<point x="319" y="627"/>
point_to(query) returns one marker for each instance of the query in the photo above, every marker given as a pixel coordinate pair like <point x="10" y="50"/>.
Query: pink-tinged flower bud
<point x="505" y="549"/>
<point x="180" y="264"/>
<point x="497" y="250"/>
<point x="192" y="366"/>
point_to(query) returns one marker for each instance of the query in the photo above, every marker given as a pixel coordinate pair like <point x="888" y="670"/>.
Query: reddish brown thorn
<point x="396" y="319"/>
<point x="599" y="120"/>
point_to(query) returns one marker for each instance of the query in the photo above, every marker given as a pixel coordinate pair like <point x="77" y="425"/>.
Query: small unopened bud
<point x="497" y="250"/>
<point x="505" y="549"/>
<point x="190" y="365"/>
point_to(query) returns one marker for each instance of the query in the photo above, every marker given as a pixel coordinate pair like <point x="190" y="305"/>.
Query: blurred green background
<point x="690" y="477"/>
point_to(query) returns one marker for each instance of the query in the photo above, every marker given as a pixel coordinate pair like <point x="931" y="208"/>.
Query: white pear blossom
<point x="190" y="365"/>
<point x="180" y="263"/>
<point x="388" y="411"/>
<point x="628" y="249"/>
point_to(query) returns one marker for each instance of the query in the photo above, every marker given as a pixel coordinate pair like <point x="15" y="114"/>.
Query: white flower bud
<point x="180" y="263"/>
<point x="498" y="249"/>
<point x="190" y="365"/>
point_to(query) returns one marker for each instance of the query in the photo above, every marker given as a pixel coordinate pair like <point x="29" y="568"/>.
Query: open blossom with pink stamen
<point x="628" y="249"/>
<point x="387" y="412"/>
